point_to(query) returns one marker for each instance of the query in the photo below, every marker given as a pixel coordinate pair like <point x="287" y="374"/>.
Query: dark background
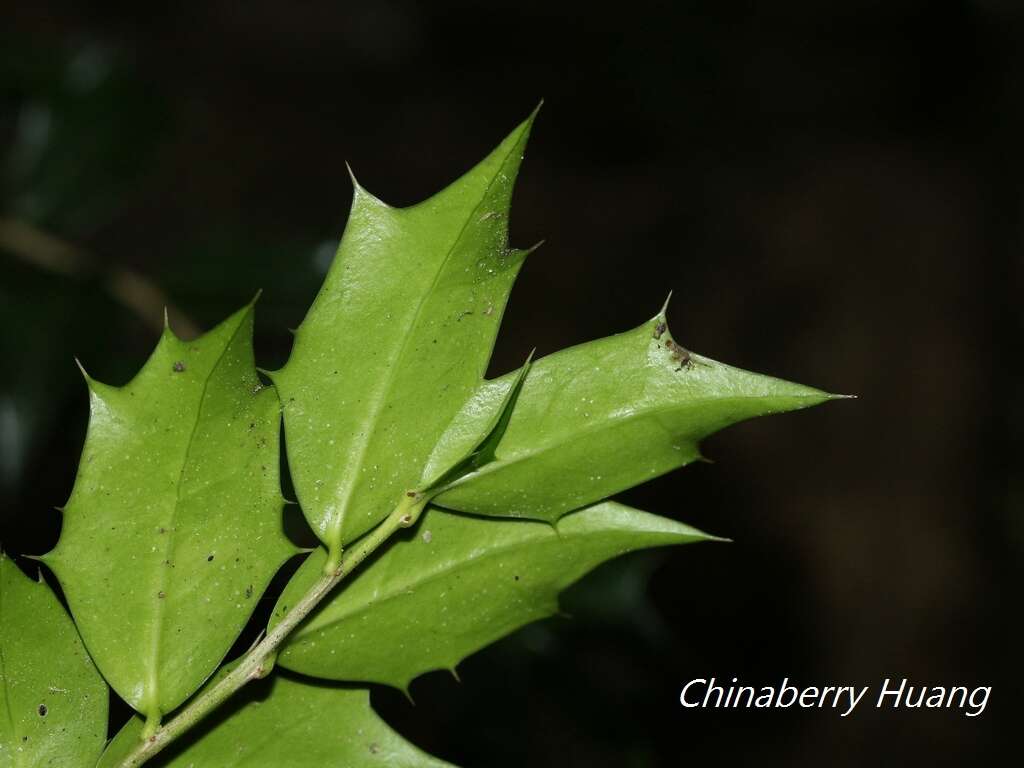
<point x="833" y="190"/>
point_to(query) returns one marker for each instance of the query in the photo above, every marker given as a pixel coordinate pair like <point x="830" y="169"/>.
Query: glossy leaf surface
<point x="454" y="585"/>
<point x="285" y="723"/>
<point x="602" y="417"/>
<point x="173" y="529"/>
<point x="396" y="341"/>
<point x="53" y="702"/>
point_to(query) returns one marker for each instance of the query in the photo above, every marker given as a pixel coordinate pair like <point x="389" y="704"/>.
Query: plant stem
<point x="258" y="662"/>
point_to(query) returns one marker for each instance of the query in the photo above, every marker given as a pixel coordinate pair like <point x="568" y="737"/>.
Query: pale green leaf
<point x="454" y="585"/>
<point x="285" y="723"/>
<point x="53" y="702"/>
<point x="173" y="529"/>
<point x="492" y="430"/>
<point x="396" y="341"/>
<point x="602" y="417"/>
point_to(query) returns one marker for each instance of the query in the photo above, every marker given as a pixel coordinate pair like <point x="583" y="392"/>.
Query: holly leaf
<point x="454" y="585"/>
<point x="396" y="341"/>
<point x="53" y="702"/>
<point x="173" y="529"/>
<point x="601" y="417"/>
<point x="284" y="723"/>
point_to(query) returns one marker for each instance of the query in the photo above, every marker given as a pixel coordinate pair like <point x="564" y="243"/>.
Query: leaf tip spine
<point x="272" y="375"/>
<point x="358" y="190"/>
<point x="85" y="373"/>
<point x="663" y="312"/>
<point x="356" y="186"/>
<point x="529" y="251"/>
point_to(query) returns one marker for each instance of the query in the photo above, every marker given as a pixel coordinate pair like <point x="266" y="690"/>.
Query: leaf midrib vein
<point x="162" y="572"/>
<point x="540" y="448"/>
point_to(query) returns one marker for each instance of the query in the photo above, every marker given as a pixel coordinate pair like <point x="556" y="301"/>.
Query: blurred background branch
<point x="131" y="289"/>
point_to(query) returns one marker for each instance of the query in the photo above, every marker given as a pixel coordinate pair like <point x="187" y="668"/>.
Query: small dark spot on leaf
<point x="179" y="366"/>
<point x="161" y="594"/>
<point x="209" y="558"/>
<point x="248" y="592"/>
<point x="659" y="329"/>
<point x="374" y="748"/>
<point x="517" y="578"/>
<point x="43" y="710"/>
<point x="681" y="355"/>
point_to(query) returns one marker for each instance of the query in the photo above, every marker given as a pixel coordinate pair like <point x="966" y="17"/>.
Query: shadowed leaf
<point x="53" y="702"/>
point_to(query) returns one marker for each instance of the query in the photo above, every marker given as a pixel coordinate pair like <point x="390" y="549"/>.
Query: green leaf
<point x="293" y="725"/>
<point x="396" y="341"/>
<point x="454" y="585"/>
<point x="173" y="529"/>
<point x="53" y="702"/>
<point x="602" y="417"/>
<point x="493" y="430"/>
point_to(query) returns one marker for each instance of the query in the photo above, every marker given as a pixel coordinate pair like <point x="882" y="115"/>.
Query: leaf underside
<point x="173" y="529"/>
<point x="454" y="585"/>
<point x="285" y="723"/>
<point x="53" y="702"/>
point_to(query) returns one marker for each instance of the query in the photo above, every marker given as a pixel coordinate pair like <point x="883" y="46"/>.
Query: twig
<point x="258" y="662"/>
<point x="136" y="292"/>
